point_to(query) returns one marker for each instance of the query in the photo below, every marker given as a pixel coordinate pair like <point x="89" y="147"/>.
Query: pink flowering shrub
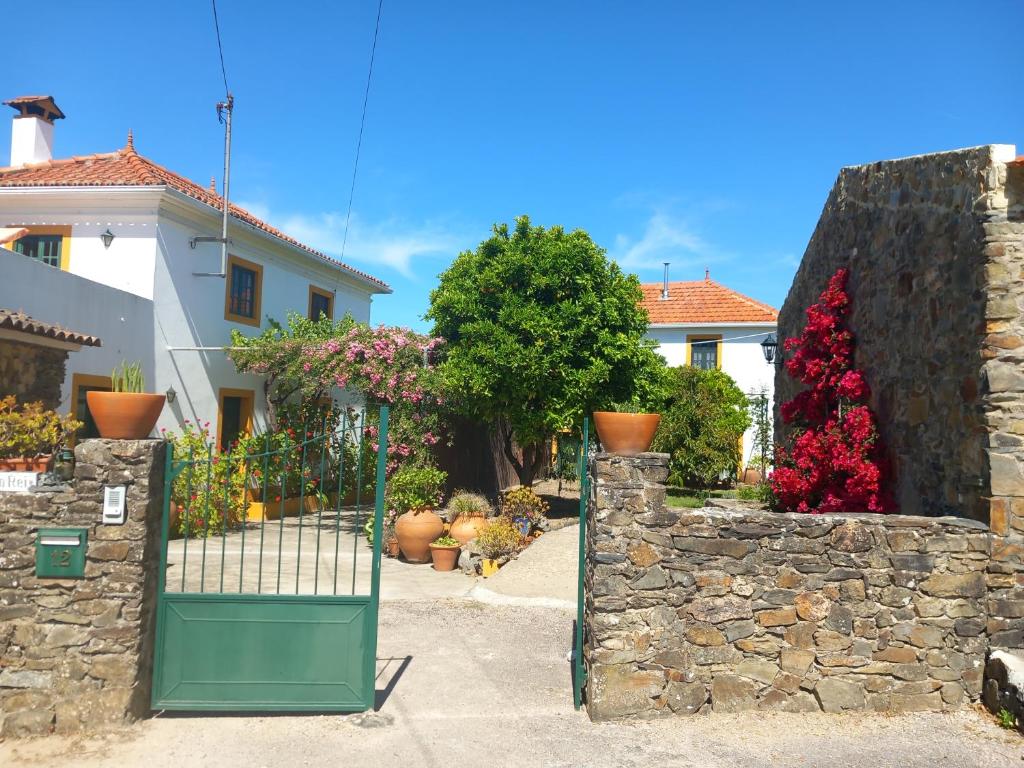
<point x="836" y="463"/>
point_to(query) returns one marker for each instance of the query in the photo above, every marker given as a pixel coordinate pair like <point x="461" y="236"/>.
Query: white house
<point x="111" y="247"/>
<point x="705" y="324"/>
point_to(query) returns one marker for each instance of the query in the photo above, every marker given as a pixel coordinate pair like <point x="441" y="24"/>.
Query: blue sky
<point x="704" y="134"/>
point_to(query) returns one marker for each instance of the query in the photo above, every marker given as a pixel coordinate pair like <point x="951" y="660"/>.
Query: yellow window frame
<point x="248" y="398"/>
<point x="65" y="243"/>
<point x="323" y="293"/>
<point x="236" y="261"/>
<point x="697" y="337"/>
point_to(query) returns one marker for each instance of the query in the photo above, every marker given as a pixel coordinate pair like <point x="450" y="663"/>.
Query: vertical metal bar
<point x="378" y="536"/>
<point x="359" y="500"/>
<point x="302" y="503"/>
<point x="320" y="505"/>
<point x="578" y="677"/>
<point x="263" y="510"/>
<point x="188" y="514"/>
<point x="224" y="518"/>
<point x="280" y="525"/>
<point x="244" y="521"/>
<point x="206" y="513"/>
<point x="341" y="488"/>
<point x="162" y="573"/>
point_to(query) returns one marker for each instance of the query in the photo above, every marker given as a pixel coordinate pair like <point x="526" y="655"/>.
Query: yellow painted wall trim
<point x="257" y="299"/>
<point x="65" y="244"/>
<point x="329" y="295"/>
<point x="248" y="397"/>
<point x="692" y="337"/>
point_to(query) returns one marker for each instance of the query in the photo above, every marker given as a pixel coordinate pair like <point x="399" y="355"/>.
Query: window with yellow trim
<point x="704" y="351"/>
<point x="321" y="302"/>
<point x="243" y="292"/>
<point x="234" y="416"/>
<point x="50" y="245"/>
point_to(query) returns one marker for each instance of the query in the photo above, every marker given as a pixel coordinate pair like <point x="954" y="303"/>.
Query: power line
<point x="220" y="49"/>
<point x="362" y="124"/>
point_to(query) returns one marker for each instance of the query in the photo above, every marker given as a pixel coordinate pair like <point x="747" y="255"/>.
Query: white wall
<point x="123" y="321"/>
<point x="742" y="358"/>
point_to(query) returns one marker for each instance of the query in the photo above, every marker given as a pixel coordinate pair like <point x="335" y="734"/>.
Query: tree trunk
<point x="531" y="462"/>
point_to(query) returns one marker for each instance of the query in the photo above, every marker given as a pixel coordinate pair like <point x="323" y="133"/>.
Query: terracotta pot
<point x="125" y="415"/>
<point x="415" y="530"/>
<point x="392" y="547"/>
<point x="751" y="476"/>
<point x="27" y="464"/>
<point x="466" y="527"/>
<point x="445" y="558"/>
<point x="488" y="567"/>
<point x="626" y="434"/>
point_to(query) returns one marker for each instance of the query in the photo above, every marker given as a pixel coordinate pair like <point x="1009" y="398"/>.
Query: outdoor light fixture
<point x="769" y="346"/>
<point x="171" y="394"/>
<point x="107" y="238"/>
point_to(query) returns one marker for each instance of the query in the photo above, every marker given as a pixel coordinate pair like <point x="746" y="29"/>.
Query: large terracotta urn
<point x="415" y="530"/>
<point x="467" y="527"/>
<point x="125" y="415"/>
<point x="626" y="434"/>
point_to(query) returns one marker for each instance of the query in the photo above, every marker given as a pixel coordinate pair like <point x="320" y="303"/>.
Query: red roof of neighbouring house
<point x="19" y="321"/>
<point x="703" y="301"/>
<point x="127" y="168"/>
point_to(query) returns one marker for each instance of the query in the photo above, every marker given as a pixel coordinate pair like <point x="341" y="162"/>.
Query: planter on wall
<point x="626" y="434"/>
<point x="125" y="415"/>
<point x="415" y="530"/>
<point x="27" y="464"/>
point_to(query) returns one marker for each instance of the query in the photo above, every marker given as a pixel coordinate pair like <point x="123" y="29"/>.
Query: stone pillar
<point x="76" y="654"/>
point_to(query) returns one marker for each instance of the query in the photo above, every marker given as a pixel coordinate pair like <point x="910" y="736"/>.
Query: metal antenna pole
<point x="224" y="111"/>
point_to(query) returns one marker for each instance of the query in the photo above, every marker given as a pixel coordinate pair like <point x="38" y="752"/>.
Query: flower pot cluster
<point x="30" y="435"/>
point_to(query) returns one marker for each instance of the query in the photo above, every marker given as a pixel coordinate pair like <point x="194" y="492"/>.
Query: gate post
<point x="76" y="653"/>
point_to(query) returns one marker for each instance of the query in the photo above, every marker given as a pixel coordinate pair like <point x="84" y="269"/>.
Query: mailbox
<point x="60" y="553"/>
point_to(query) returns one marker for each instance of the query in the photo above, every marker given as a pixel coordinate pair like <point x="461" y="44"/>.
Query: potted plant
<point x="30" y="435"/>
<point x="413" y="491"/>
<point x="444" y="551"/>
<point x="498" y="540"/>
<point x="626" y="430"/>
<point x="390" y="538"/>
<point x="126" y="412"/>
<point x="468" y="513"/>
<point x="524" y="508"/>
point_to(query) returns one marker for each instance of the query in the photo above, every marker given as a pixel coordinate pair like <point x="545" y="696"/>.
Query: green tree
<point x="541" y="328"/>
<point x="701" y="425"/>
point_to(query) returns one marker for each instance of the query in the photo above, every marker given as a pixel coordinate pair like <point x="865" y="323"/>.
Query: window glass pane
<point x="320" y="305"/>
<point x="704" y="354"/>
<point x="230" y="421"/>
<point x="45" y="248"/>
<point x="243" y="291"/>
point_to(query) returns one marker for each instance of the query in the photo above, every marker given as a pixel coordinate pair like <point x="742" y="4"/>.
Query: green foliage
<point x="540" y="328"/>
<point x="761" y="492"/>
<point x="1006" y="718"/>
<point x="499" y="538"/>
<point x="447" y="541"/>
<point x="702" y="422"/>
<point x="30" y="430"/>
<point x="127" y="378"/>
<point x="465" y="504"/>
<point x="760" y="409"/>
<point x="211" y="488"/>
<point x="523" y="504"/>
<point x="415" y="487"/>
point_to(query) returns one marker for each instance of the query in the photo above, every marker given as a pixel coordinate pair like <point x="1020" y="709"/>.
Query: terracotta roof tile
<point x="127" y="168"/>
<point x="703" y="301"/>
<point x="1017" y="161"/>
<point x="19" y="321"/>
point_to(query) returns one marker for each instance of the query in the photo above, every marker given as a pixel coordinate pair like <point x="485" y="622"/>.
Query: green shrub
<point x="30" y="430"/>
<point x="499" y="538"/>
<point x="415" y="487"/>
<point x="523" y="503"/>
<point x="465" y="504"/>
<point x="701" y="426"/>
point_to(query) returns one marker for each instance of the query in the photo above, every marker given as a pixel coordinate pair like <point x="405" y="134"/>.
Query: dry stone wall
<point x="743" y="609"/>
<point x="935" y="248"/>
<point x="31" y="372"/>
<point x="75" y="654"/>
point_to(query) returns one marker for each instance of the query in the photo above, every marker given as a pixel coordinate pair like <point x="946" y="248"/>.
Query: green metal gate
<point x="260" y="614"/>
<point x="579" y="669"/>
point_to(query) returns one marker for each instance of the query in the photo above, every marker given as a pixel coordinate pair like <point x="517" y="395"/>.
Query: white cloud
<point x="665" y="238"/>
<point x="392" y="243"/>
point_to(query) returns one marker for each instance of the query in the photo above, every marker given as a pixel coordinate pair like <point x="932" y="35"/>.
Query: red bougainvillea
<point x="836" y="463"/>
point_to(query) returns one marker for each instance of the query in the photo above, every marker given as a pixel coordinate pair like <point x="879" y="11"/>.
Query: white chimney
<point x="32" y="131"/>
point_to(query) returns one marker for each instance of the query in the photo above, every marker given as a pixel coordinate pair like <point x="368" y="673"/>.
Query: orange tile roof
<point x="18" y="321"/>
<point x="1017" y="161"/>
<point x="127" y="168"/>
<point x="703" y="301"/>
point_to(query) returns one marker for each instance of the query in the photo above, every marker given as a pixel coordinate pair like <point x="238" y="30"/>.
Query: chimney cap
<point x="42" y="107"/>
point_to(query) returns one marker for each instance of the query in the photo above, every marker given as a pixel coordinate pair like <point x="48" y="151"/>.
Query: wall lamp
<point x="769" y="347"/>
<point x="171" y="395"/>
<point x="107" y="238"/>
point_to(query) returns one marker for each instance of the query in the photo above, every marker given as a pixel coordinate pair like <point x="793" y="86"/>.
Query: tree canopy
<point x="540" y="328"/>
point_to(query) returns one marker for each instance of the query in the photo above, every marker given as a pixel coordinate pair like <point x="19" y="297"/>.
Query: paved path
<point x="489" y="685"/>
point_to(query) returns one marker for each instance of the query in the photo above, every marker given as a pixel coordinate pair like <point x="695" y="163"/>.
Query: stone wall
<point x="935" y="247"/>
<point x="76" y="654"/>
<point x="32" y="372"/>
<point x="743" y="609"/>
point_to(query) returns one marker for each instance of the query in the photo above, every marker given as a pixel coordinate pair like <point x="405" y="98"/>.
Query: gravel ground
<point x="488" y="684"/>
